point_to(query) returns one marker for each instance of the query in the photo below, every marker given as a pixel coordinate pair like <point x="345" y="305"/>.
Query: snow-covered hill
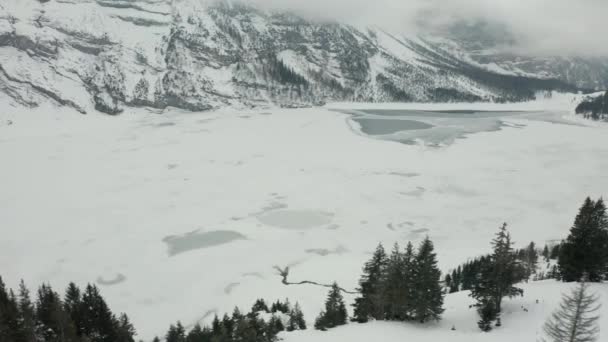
<point x="522" y="320"/>
<point x="198" y="55"/>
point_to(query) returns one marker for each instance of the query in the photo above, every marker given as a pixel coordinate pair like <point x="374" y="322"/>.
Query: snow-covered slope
<point x="197" y="55"/>
<point x="522" y="320"/>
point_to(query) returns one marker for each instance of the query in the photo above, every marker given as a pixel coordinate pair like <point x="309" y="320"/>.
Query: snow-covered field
<point x="181" y="215"/>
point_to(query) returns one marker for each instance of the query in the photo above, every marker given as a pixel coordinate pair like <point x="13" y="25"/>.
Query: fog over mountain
<point x="542" y="27"/>
<point x="109" y="55"/>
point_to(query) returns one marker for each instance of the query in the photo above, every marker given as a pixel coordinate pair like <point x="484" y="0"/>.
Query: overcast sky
<point x="542" y="26"/>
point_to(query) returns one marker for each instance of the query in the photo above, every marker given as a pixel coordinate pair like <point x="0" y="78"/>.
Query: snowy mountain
<point x="197" y="55"/>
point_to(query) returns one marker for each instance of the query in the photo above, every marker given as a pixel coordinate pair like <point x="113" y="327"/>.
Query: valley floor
<point x="182" y="215"/>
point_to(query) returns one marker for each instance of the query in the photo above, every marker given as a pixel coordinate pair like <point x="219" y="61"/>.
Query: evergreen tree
<point x="275" y="325"/>
<point x="11" y="329"/>
<point x="555" y="250"/>
<point x="530" y="259"/>
<point x="176" y="333"/>
<point x="498" y="275"/>
<point x="546" y="253"/>
<point x="369" y="304"/>
<point x="585" y="251"/>
<point x="260" y="305"/>
<point x="335" y="311"/>
<point x="98" y="322"/>
<point x="196" y="334"/>
<point x="296" y="319"/>
<point x="427" y="287"/>
<point x="576" y="319"/>
<point x="27" y="314"/>
<point x="393" y="287"/>
<point x="54" y="324"/>
<point x="72" y="305"/>
<point x="488" y="313"/>
<point x="124" y="329"/>
<point x="408" y="282"/>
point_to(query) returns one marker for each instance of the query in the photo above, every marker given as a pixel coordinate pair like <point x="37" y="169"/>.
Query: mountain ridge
<point x="108" y="55"/>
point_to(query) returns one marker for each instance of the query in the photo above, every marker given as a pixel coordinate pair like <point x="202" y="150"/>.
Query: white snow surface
<point x="517" y="324"/>
<point x="93" y="198"/>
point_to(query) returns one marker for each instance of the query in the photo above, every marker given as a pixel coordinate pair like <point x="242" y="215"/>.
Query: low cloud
<point x="541" y="27"/>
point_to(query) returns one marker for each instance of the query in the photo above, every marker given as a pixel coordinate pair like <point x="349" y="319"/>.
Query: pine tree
<point x="585" y="251"/>
<point x="260" y="305"/>
<point x="408" y="282"/>
<point x="530" y="258"/>
<point x="124" y="329"/>
<point x="369" y="304"/>
<point x="555" y="250"/>
<point x="54" y="324"/>
<point x="498" y="275"/>
<point x="296" y="319"/>
<point x="275" y="325"/>
<point x="228" y="324"/>
<point x="10" y="325"/>
<point x="335" y="311"/>
<point x="72" y="305"/>
<point x="429" y="296"/>
<point x="176" y="333"/>
<point x="196" y="334"/>
<point x="27" y="314"/>
<point x="546" y="253"/>
<point x="99" y="324"/>
<point x="576" y="319"/>
<point x="392" y="288"/>
<point x="487" y="314"/>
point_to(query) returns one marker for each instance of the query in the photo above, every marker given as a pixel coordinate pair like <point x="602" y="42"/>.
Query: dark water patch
<point x="404" y="174"/>
<point x="117" y="279"/>
<point x="165" y="124"/>
<point x="458" y="113"/>
<point x="228" y="289"/>
<point x="197" y="240"/>
<point x="389" y="126"/>
<point x="253" y="274"/>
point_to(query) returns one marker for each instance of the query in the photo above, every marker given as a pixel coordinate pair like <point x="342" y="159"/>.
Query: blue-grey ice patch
<point x="375" y="126"/>
<point x="253" y="274"/>
<point x="404" y="174"/>
<point x="165" y="124"/>
<point x="178" y="244"/>
<point x="296" y="219"/>
<point x="117" y="279"/>
<point x="431" y="128"/>
<point x="325" y="252"/>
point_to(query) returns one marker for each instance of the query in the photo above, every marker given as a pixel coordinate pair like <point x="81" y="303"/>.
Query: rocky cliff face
<point x="106" y="55"/>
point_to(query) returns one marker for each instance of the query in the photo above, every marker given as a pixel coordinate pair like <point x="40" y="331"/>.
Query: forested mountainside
<point x="106" y="55"/>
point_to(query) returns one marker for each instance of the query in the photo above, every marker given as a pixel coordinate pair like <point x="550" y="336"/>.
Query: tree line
<point x="238" y="327"/>
<point x="80" y="316"/>
<point x="594" y="108"/>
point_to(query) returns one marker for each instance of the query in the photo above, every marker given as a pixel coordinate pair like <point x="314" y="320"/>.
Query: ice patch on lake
<point x="296" y="219"/>
<point x="325" y="252"/>
<point x="437" y="128"/>
<point x="197" y="240"/>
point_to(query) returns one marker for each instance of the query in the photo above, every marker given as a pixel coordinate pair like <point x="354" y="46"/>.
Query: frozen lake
<point x="181" y="215"/>
<point x="439" y="127"/>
